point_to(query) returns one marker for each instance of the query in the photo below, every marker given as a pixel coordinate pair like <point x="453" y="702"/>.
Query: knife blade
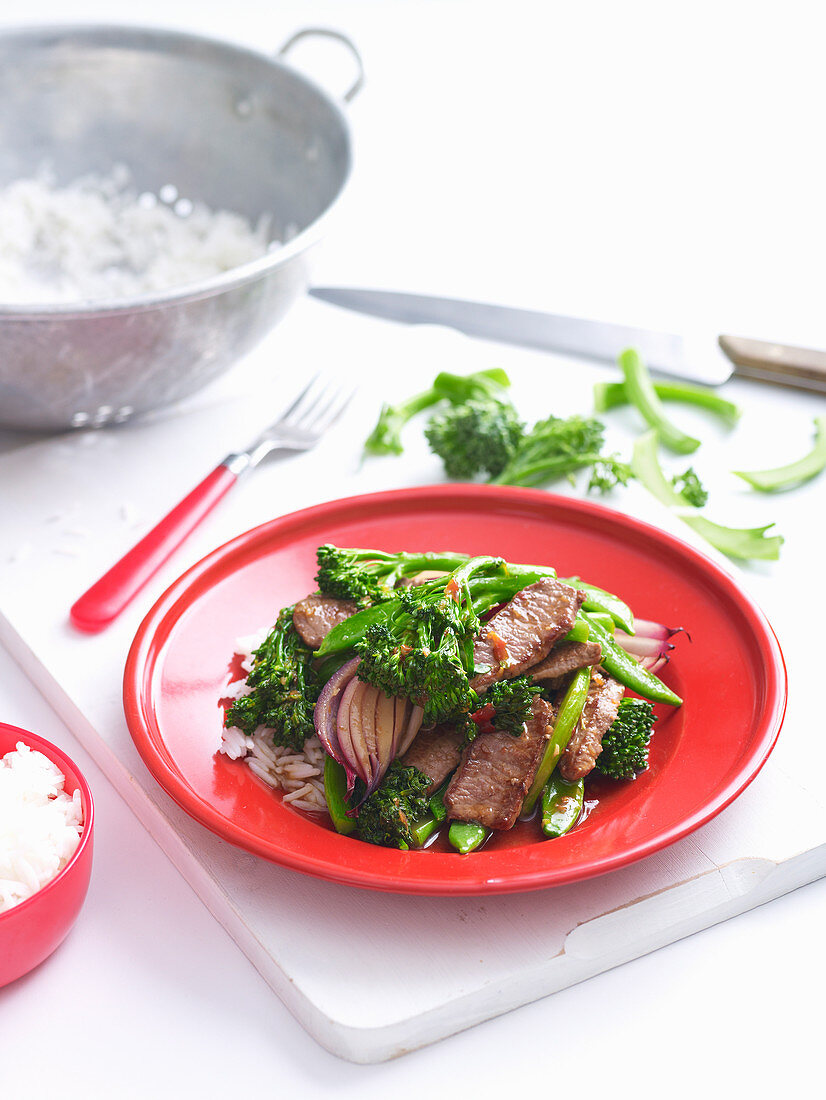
<point x="710" y="362"/>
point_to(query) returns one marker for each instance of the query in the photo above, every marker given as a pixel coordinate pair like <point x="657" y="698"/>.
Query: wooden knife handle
<point x="803" y="368"/>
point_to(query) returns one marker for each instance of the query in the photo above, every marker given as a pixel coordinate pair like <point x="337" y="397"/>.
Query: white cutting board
<point x="372" y="975"/>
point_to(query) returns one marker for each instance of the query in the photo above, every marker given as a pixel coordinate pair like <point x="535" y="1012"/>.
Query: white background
<point x="653" y="162"/>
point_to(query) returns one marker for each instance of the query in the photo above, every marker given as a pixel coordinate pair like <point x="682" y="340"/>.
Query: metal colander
<point x="226" y="126"/>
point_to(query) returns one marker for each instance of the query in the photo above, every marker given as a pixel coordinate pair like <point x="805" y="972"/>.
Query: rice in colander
<point x="98" y="239"/>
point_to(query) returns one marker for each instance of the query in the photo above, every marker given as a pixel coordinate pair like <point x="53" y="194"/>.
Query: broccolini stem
<point x="542" y="470"/>
<point x="484" y="591"/>
<point x="385" y="438"/>
<point x="423" y="830"/>
<point x="335" y="792"/>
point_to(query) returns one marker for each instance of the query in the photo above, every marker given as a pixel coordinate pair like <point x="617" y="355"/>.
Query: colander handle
<point x="326" y="32"/>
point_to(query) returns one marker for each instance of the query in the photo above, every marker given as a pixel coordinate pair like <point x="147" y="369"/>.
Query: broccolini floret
<point x="387" y="816"/>
<point x="690" y="488"/>
<point x="556" y="448"/>
<point x="368" y="576"/>
<point x="476" y="438"/>
<point x="348" y="575"/>
<point x="507" y="705"/>
<point x="422" y="648"/>
<point x="421" y="652"/>
<point x="284" y="689"/>
<point x="456" y="389"/>
<point x="625" y="744"/>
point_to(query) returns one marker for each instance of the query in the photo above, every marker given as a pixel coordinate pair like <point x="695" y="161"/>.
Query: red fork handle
<point x="103" y="602"/>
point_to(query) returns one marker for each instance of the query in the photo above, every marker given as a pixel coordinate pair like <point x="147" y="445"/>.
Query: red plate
<point x="730" y="674"/>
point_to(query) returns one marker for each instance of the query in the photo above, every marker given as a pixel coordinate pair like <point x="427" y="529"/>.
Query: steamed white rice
<point x="300" y="775"/>
<point x="40" y="824"/>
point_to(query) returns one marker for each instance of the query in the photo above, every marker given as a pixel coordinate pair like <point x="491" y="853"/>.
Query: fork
<point x="300" y="428"/>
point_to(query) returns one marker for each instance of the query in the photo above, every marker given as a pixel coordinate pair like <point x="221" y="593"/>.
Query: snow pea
<point x="625" y="668"/>
<point x="785" y="477"/>
<point x="610" y="395"/>
<point x="597" y="599"/>
<point x="352" y="630"/>
<point x="570" y="710"/>
<point x="466" y="836"/>
<point x="561" y="805"/>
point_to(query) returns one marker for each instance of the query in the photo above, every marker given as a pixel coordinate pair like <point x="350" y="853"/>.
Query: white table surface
<point x="639" y="161"/>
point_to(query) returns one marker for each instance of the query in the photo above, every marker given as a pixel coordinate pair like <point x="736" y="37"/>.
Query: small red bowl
<point x="31" y="930"/>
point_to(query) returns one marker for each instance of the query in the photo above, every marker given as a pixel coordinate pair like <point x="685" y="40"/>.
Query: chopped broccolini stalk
<point x="641" y="393"/>
<point x="335" y="794"/>
<point x="490" y="584"/>
<point x="785" y="477"/>
<point x="386" y="439"/>
<point x="625" y="744"/>
<point x="436" y="814"/>
<point x="610" y="395"/>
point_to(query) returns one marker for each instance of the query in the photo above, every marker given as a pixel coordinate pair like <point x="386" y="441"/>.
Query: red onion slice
<point x="362" y="760"/>
<point x="326" y="709"/>
<point x="385" y="726"/>
<point x="639" y="646"/>
<point x="414" y="724"/>
<point x="351" y="758"/>
<point x="654" y="664"/>
<point x="645" y="628"/>
<point x="399" y="718"/>
<point x="368" y="726"/>
<point x="650" y="645"/>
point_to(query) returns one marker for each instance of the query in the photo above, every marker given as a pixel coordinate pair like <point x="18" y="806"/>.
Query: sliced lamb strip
<point x="566" y="657"/>
<point x="436" y="752"/>
<point x="599" y="712"/>
<point x="316" y="615"/>
<point x="522" y="633"/>
<point x="497" y="770"/>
